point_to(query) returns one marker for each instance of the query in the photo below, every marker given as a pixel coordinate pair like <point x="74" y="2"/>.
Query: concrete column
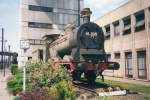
<point x="133" y="22"/>
<point x="134" y="54"/>
<point x="111" y="38"/>
<point x="147" y="30"/>
<point x="111" y="45"/>
<point x="122" y="64"/>
<point x="134" y="64"/>
<point x="104" y="30"/>
<point x="121" y="27"/>
<point x="121" y="72"/>
<point x="148" y="67"/>
<point x="112" y="55"/>
<point x="111" y="31"/>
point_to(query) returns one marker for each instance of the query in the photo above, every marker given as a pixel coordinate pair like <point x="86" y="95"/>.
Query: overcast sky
<point x="9" y="16"/>
<point x="101" y="7"/>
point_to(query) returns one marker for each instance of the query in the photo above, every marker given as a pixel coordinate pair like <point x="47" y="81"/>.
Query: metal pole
<point x="2" y="50"/>
<point x="4" y="59"/>
<point x="8" y="48"/>
<point x="9" y="56"/>
<point x="24" y="78"/>
<point x="24" y="74"/>
<point x="78" y="12"/>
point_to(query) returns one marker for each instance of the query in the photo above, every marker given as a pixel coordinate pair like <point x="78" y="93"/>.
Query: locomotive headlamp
<point x="85" y="14"/>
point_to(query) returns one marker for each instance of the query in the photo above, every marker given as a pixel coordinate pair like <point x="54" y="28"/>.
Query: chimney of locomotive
<point x="86" y="14"/>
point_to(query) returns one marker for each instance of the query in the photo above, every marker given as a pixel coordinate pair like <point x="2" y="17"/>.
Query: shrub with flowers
<point x="44" y="80"/>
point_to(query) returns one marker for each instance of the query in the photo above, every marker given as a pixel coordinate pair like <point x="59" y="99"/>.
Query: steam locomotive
<point x="82" y="51"/>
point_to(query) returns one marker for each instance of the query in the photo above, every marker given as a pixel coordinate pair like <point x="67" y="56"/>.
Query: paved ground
<point x="3" y="92"/>
<point x="141" y="82"/>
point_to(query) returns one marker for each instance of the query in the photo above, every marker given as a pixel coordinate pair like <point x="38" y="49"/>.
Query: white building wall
<point x="132" y="42"/>
<point x="64" y="12"/>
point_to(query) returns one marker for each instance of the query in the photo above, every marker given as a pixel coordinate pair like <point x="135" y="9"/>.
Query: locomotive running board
<point x="88" y="51"/>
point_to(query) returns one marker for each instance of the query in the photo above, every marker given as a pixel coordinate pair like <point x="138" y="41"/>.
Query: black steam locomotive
<point x="82" y="50"/>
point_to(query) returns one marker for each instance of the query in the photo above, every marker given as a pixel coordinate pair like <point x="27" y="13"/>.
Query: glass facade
<point x="139" y="25"/>
<point x="40" y="8"/>
<point x="141" y="55"/>
<point x="40" y="25"/>
<point x="117" y="55"/>
<point x="128" y="64"/>
<point x="107" y="28"/>
<point x="109" y="57"/>
<point x="127" y="25"/>
<point x="116" y="28"/>
<point x="140" y="21"/>
<point x="40" y="54"/>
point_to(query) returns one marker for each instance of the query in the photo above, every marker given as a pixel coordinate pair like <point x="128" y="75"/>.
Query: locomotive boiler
<point x="81" y="50"/>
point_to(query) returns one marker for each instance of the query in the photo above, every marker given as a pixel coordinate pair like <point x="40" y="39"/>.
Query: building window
<point x="141" y="60"/>
<point x="109" y="56"/>
<point x="149" y="24"/>
<point x="140" y="21"/>
<point x="107" y="28"/>
<point x="116" y="28"/>
<point x="40" y="8"/>
<point x="149" y="20"/>
<point x="117" y="55"/>
<point x="40" y="54"/>
<point x="36" y="42"/>
<point x="29" y="58"/>
<point x="40" y="25"/>
<point x="127" y="25"/>
<point x="128" y="64"/>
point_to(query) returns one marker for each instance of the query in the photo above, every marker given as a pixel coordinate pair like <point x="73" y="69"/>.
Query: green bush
<point x="16" y="98"/>
<point x="42" y="76"/>
<point x="56" y="81"/>
<point x="14" y="84"/>
<point x="36" y="94"/>
<point x="14" y="69"/>
<point x="63" y="91"/>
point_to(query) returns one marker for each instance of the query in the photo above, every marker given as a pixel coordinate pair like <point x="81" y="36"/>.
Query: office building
<point x="127" y="34"/>
<point x="44" y="17"/>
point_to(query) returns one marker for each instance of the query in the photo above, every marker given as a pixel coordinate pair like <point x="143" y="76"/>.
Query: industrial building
<point x="41" y="18"/>
<point x="127" y="34"/>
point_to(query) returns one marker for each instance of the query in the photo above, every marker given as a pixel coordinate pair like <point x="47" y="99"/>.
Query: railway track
<point x="85" y="91"/>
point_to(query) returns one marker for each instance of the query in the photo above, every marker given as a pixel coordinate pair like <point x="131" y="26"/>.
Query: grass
<point x="128" y="86"/>
<point x="131" y="87"/>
